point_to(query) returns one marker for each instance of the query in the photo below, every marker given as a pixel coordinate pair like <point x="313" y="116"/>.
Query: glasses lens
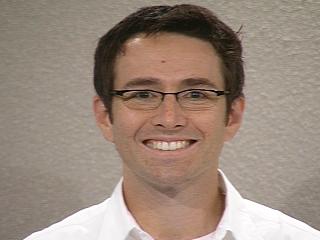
<point x="142" y="99"/>
<point x="196" y="99"/>
<point x="191" y="99"/>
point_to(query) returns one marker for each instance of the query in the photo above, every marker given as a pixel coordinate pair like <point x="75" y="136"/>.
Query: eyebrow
<point x="197" y="82"/>
<point x="138" y="82"/>
<point x="151" y="81"/>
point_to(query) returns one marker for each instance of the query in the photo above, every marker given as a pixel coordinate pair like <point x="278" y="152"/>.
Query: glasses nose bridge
<point x="163" y="94"/>
<point x="169" y="93"/>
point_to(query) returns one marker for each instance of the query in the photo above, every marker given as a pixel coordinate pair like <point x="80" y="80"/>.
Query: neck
<point x="178" y="211"/>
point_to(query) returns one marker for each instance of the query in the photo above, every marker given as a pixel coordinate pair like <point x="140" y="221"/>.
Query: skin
<point x="167" y="191"/>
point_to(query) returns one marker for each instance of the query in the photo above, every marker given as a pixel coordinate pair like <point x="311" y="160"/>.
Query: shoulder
<point x="82" y="225"/>
<point x="275" y="225"/>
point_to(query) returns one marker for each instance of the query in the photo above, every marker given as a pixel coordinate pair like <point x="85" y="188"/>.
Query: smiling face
<point x="168" y="145"/>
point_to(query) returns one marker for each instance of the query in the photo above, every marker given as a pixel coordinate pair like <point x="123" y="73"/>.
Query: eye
<point x="140" y="95"/>
<point x="195" y="95"/>
<point x="143" y="94"/>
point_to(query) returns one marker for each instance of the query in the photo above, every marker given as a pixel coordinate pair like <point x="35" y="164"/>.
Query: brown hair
<point x="190" y="20"/>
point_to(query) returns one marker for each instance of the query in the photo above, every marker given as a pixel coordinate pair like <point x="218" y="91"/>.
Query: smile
<point x="168" y="146"/>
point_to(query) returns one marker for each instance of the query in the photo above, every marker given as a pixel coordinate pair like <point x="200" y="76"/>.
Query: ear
<point x="234" y="118"/>
<point x="102" y="118"/>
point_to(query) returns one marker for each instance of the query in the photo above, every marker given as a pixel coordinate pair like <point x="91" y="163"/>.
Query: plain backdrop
<point x="54" y="160"/>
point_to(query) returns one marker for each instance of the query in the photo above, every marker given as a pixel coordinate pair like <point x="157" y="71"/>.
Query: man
<point x="169" y="81"/>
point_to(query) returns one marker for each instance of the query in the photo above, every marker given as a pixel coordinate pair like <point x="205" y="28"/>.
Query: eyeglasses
<point x="190" y="99"/>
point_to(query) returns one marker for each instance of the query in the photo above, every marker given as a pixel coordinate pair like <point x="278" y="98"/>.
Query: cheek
<point x="126" y="124"/>
<point x="212" y="123"/>
<point x="123" y="132"/>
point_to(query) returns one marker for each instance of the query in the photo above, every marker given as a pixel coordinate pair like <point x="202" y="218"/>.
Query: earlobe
<point x="102" y="118"/>
<point x="235" y="118"/>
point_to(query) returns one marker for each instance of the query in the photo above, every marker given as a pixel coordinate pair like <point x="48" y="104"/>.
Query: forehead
<point x="167" y="60"/>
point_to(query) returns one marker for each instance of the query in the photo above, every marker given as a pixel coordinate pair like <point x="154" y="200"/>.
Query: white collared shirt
<point x="241" y="220"/>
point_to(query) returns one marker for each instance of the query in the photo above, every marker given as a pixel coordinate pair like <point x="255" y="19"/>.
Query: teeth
<point x="168" y="146"/>
<point x="172" y="146"/>
<point x="165" y="146"/>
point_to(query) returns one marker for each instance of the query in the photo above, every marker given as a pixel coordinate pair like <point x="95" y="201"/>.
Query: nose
<point x="169" y="114"/>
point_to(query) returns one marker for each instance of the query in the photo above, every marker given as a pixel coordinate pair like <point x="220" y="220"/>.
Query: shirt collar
<point x="118" y="221"/>
<point x="230" y="222"/>
<point x="119" y="224"/>
<point x="235" y="223"/>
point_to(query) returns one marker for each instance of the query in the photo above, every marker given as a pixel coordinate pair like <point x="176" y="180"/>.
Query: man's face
<point x="169" y="63"/>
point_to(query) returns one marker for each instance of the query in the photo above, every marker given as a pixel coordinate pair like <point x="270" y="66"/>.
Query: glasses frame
<point x="120" y="93"/>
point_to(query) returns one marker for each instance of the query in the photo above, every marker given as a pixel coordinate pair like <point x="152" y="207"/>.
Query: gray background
<point x="54" y="160"/>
